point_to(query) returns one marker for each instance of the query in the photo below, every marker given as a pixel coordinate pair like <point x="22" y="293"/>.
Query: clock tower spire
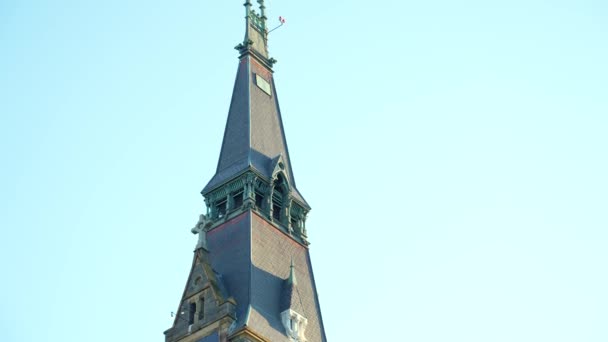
<point x="253" y="242"/>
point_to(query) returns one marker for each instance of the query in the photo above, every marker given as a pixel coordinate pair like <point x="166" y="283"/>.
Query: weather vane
<point x="282" y="22"/>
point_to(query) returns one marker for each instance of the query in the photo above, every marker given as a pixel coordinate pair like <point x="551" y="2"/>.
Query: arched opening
<point x="191" y="313"/>
<point x="279" y="198"/>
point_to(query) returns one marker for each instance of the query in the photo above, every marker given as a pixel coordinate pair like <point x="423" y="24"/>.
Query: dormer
<point x="293" y="321"/>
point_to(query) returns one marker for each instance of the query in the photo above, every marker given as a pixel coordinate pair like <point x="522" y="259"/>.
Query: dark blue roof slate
<point x="272" y="254"/>
<point x="228" y="246"/>
<point x="254" y="259"/>
<point x="254" y="134"/>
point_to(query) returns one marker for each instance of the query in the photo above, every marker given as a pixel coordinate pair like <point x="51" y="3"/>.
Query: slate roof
<point x="254" y="259"/>
<point x="254" y="135"/>
<point x="248" y="260"/>
<point x="251" y="254"/>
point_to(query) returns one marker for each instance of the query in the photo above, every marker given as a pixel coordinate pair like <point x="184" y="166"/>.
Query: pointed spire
<point x="254" y="139"/>
<point x="290" y="297"/>
<point x="292" y="275"/>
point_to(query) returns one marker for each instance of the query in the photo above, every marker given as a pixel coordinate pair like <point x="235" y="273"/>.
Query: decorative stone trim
<point x="294" y="324"/>
<point x="291" y="216"/>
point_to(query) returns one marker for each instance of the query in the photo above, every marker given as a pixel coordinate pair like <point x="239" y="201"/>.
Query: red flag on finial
<point x="282" y="20"/>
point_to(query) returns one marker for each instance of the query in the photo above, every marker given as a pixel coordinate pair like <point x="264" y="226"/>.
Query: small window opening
<point x="237" y="200"/>
<point x="191" y="312"/>
<point x="294" y="224"/>
<point x="277" y="204"/>
<point x="276" y="211"/>
<point x="259" y="198"/>
<point x="221" y="209"/>
<point x="201" y="311"/>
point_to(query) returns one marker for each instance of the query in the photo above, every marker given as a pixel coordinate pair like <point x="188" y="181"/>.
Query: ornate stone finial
<point x="201" y="229"/>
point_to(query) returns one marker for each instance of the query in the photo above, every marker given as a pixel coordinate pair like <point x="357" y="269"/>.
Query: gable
<point x="204" y="300"/>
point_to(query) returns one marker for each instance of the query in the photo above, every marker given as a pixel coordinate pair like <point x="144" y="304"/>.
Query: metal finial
<point x="247" y="5"/>
<point x="262" y="12"/>
<point x="292" y="274"/>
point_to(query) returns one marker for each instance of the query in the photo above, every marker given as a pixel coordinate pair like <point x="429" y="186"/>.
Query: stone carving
<point x="294" y="324"/>
<point x="200" y="228"/>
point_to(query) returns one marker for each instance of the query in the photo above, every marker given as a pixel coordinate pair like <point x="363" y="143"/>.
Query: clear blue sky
<point x="454" y="154"/>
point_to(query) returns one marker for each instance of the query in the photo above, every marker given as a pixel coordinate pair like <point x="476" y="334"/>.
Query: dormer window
<point x="294" y="324"/>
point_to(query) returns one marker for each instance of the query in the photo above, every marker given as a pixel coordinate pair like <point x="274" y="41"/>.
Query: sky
<point x="453" y="152"/>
